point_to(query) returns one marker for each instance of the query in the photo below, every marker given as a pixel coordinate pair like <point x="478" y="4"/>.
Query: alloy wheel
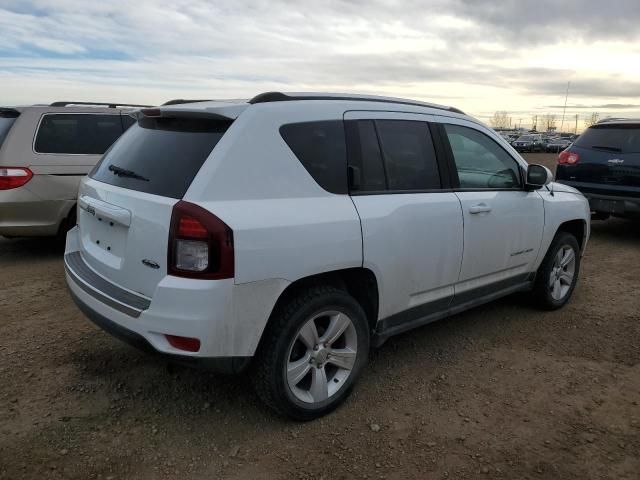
<point x="562" y="272"/>
<point x="322" y="356"/>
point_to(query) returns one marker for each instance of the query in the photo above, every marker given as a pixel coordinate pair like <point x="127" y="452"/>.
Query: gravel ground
<point x="502" y="391"/>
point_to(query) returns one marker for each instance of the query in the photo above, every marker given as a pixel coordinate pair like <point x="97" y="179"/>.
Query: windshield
<point x="618" y="138"/>
<point x="6" y="122"/>
<point x="526" y="138"/>
<point x="160" y="155"/>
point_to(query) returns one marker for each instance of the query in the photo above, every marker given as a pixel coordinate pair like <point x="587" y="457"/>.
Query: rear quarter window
<point x="321" y="149"/>
<point x="7" y="119"/>
<point x="77" y="134"/>
<point x="160" y="155"/>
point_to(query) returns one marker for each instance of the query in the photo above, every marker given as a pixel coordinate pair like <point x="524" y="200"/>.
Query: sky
<point x="478" y="55"/>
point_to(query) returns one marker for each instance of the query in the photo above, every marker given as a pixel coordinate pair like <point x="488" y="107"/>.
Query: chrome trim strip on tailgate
<point x="108" y="293"/>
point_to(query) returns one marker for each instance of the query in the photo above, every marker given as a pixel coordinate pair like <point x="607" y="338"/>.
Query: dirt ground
<point x="502" y="391"/>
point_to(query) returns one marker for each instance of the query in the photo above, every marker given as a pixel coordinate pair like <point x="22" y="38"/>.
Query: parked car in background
<point x="529" y="143"/>
<point x="604" y="164"/>
<point x="44" y="152"/>
<point x="291" y="232"/>
<point x="555" y="145"/>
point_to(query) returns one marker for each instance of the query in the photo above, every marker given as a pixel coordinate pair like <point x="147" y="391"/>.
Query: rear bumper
<point x="209" y="310"/>
<point x="613" y="203"/>
<point x="226" y="365"/>
<point x="24" y="214"/>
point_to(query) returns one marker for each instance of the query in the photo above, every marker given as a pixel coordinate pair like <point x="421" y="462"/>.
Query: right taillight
<point x="14" y="177"/>
<point x="200" y="244"/>
<point x="568" y="158"/>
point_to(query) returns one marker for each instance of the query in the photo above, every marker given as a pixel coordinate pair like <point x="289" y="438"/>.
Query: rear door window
<point x="160" y="155"/>
<point x="409" y="156"/>
<point x="321" y="148"/>
<point x="613" y="138"/>
<point x="366" y="169"/>
<point x="77" y="134"/>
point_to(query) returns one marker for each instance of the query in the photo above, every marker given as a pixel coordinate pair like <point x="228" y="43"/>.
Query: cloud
<point x="149" y="50"/>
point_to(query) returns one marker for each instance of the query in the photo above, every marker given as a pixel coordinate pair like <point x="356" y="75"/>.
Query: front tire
<point x="312" y="353"/>
<point x="558" y="274"/>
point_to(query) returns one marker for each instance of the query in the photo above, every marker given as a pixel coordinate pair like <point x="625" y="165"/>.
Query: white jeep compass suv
<point x="292" y="232"/>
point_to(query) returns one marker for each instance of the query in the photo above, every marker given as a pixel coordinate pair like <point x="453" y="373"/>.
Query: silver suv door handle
<point x="479" y="208"/>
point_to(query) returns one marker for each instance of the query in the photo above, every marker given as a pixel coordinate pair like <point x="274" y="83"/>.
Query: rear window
<point x="160" y="155"/>
<point x="77" y="133"/>
<point x="616" y="138"/>
<point x="7" y="118"/>
<point x="321" y="148"/>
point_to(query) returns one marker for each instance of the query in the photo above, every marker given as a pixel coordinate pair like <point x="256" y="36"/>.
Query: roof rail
<point x="180" y="101"/>
<point x="617" y="119"/>
<point x="101" y="104"/>
<point x="283" y="97"/>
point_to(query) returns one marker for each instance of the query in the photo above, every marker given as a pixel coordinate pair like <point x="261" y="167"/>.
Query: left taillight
<point x="14" y="177"/>
<point x="200" y="244"/>
<point x="568" y="158"/>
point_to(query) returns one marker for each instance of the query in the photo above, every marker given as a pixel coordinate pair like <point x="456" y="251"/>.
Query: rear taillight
<point x="200" y="244"/>
<point x="568" y="158"/>
<point x="14" y="177"/>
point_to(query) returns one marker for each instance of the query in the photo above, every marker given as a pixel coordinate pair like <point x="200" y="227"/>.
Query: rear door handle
<point x="479" y="208"/>
<point x="99" y="208"/>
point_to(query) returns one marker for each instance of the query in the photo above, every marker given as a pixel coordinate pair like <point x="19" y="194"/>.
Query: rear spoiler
<point x="161" y="113"/>
<point x="221" y="112"/>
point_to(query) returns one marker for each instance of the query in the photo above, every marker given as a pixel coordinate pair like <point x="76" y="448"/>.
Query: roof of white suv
<point x="233" y="108"/>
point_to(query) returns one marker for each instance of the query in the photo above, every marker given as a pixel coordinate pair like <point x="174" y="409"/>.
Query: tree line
<point x="549" y="121"/>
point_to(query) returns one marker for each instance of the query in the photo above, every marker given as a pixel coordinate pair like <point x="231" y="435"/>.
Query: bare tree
<point x="534" y="122"/>
<point x="592" y="119"/>
<point x="549" y="121"/>
<point x="500" y="119"/>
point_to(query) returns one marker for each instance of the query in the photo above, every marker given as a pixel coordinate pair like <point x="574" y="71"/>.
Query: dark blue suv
<point x="604" y="164"/>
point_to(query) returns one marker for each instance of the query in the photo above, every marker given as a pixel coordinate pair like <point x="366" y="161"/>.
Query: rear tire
<point x="312" y="353"/>
<point x="558" y="274"/>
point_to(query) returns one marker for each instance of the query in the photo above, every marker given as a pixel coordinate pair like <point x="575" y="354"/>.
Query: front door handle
<point x="479" y="208"/>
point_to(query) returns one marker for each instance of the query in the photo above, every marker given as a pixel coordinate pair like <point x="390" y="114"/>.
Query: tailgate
<point x="125" y="205"/>
<point x="124" y="235"/>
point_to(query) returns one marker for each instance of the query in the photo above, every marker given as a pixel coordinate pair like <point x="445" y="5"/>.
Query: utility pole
<point x="565" y="106"/>
<point x="576" y="130"/>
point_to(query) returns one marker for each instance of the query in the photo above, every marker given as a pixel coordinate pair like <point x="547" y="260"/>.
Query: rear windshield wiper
<point x="123" y="172"/>
<point x="611" y="149"/>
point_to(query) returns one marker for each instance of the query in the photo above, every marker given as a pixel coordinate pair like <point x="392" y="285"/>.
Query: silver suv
<point x="45" y="150"/>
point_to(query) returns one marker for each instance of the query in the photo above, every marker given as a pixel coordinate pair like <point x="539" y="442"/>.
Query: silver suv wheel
<point x="321" y="356"/>
<point x="562" y="272"/>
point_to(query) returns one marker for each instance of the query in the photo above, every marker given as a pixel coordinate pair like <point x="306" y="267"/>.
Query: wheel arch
<point x="361" y="283"/>
<point x="577" y="228"/>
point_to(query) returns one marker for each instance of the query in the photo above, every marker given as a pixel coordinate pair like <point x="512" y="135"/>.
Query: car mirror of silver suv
<point x="538" y="176"/>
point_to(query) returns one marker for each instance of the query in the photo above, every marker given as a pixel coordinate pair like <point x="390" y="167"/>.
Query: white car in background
<point x="291" y="232"/>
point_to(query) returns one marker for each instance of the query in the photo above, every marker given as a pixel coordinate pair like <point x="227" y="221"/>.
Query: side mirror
<point x="538" y="176"/>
